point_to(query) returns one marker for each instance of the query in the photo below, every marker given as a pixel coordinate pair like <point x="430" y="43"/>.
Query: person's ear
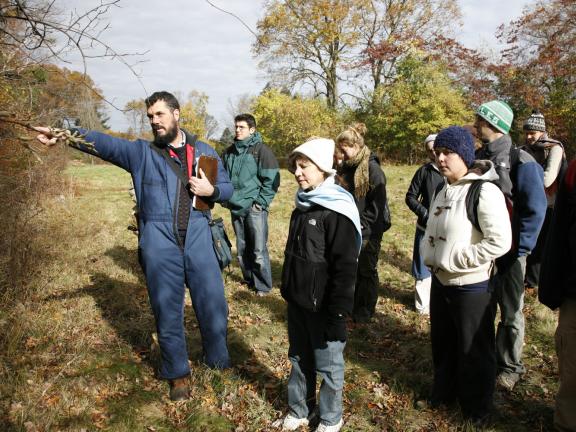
<point x="252" y="130"/>
<point x="176" y="113"/>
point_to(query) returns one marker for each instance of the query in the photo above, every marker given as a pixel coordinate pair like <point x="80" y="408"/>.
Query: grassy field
<point x="78" y="355"/>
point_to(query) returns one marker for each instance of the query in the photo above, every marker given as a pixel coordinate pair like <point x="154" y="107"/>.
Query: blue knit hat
<point x="459" y="140"/>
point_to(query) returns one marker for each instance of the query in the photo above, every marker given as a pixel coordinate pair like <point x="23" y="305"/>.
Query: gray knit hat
<point x="535" y="122"/>
<point x="498" y="114"/>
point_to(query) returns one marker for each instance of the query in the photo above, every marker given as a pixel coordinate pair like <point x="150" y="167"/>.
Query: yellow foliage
<point x="193" y="113"/>
<point x="285" y="121"/>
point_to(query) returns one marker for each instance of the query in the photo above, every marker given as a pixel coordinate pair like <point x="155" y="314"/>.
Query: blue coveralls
<point x="167" y="266"/>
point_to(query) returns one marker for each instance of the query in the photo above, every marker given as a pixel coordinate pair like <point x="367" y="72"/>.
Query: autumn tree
<point x="194" y="113"/>
<point x="539" y="68"/>
<point x="391" y="29"/>
<point x="135" y="112"/>
<point x="308" y="42"/>
<point x="64" y="94"/>
<point x="470" y="70"/>
<point x="421" y="101"/>
<point x="240" y="104"/>
<point x="227" y="138"/>
<point x="285" y="121"/>
<point x="33" y="36"/>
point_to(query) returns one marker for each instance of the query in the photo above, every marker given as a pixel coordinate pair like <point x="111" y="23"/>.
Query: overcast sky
<point x="192" y="46"/>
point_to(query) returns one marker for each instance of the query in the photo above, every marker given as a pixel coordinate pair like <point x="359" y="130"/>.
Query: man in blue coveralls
<point x="174" y="236"/>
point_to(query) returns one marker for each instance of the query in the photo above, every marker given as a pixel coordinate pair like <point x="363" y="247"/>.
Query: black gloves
<point x="506" y="261"/>
<point x="335" y="328"/>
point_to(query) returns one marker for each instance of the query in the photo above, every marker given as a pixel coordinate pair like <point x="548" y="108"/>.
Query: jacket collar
<point x="500" y="145"/>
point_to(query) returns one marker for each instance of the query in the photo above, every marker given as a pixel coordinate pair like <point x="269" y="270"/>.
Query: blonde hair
<point x="353" y="135"/>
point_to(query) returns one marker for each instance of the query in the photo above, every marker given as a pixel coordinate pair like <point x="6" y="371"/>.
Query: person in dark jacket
<point x="175" y="243"/>
<point x="318" y="283"/>
<point x="549" y="153"/>
<point x="557" y="289"/>
<point x="420" y="193"/>
<point x="520" y="178"/>
<point x="363" y="177"/>
<point x="254" y="173"/>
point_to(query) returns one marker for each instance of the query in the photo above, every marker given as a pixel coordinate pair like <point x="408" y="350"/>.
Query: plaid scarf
<point x="361" y="175"/>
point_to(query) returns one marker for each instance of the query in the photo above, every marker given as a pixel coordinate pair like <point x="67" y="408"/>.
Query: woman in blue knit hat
<point x="460" y="252"/>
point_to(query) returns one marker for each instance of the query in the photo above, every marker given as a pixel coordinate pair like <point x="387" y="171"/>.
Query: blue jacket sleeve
<point x="529" y="206"/>
<point x="223" y="184"/>
<point x="121" y="152"/>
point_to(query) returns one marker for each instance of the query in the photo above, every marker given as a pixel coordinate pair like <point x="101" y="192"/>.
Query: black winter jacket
<point x="421" y="190"/>
<point x="320" y="261"/>
<point x="373" y="205"/>
<point x="558" y="268"/>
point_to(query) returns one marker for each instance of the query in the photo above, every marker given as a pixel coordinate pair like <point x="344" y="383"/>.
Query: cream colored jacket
<point x="455" y="251"/>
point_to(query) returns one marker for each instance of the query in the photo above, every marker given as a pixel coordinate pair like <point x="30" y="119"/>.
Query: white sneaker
<point x="292" y="423"/>
<point x="334" y="428"/>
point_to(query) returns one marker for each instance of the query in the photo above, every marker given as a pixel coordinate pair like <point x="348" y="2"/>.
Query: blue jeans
<point x="419" y="269"/>
<point x="251" y="244"/>
<point x="509" y="293"/>
<point x="309" y="354"/>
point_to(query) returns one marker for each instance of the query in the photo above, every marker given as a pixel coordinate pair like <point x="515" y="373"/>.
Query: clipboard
<point x="209" y="165"/>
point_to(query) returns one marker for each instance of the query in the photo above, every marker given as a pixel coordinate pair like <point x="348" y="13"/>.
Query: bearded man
<point x="175" y="242"/>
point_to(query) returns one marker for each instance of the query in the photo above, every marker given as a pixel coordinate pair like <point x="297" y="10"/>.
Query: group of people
<point x="468" y="256"/>
<point x="484" y="210"/>
<point x="326" y="275"/>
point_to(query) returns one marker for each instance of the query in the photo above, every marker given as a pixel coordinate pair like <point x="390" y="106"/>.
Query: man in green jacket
<point x="253" y="170"/>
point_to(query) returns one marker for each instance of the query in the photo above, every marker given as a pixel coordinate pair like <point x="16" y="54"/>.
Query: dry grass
<point x="77" y="352"/>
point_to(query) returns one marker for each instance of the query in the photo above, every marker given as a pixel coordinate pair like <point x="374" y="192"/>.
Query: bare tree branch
<point x="235" y="16"/>
<point x="34" y="29"/>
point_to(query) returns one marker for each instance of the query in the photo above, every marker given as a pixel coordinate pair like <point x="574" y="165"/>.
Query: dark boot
<point x="179" y="390"/>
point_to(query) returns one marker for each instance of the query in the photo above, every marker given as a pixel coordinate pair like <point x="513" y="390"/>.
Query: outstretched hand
<point x="46" y="136"/>
<point x="201" y="186"/>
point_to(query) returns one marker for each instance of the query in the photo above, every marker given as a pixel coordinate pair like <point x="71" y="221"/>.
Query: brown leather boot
<point x="179" y="389"/>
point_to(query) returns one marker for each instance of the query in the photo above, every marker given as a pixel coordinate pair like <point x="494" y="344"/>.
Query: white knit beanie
<point x="430" y="137"/>
<point x="318" y="150"/>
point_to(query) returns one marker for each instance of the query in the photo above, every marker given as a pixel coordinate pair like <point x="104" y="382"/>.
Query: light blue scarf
<point x="333" y="197"/>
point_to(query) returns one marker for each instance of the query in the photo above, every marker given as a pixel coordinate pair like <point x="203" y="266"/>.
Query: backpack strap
<point x="172" y="163"/>
<point x="472" y="198"/>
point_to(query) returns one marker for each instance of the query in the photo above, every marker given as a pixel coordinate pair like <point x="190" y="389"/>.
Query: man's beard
<point x="170" y="135"/>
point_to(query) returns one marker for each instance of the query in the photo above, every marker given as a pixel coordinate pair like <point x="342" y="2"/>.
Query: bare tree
<point x="34" y="33"/>
<point x="390" y="29"/>
<point x="309" y="41"/>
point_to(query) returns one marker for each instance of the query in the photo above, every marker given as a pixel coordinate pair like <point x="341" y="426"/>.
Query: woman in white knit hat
<point x="318" y="283"/>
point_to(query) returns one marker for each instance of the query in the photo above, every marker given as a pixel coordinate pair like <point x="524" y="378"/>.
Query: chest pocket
<point x="154" y="199"/>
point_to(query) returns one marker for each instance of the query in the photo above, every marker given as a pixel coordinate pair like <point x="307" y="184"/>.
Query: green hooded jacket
<point x="254" y="173"/>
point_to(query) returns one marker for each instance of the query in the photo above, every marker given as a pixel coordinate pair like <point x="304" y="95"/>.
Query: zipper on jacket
<point x="175" y="216"/>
